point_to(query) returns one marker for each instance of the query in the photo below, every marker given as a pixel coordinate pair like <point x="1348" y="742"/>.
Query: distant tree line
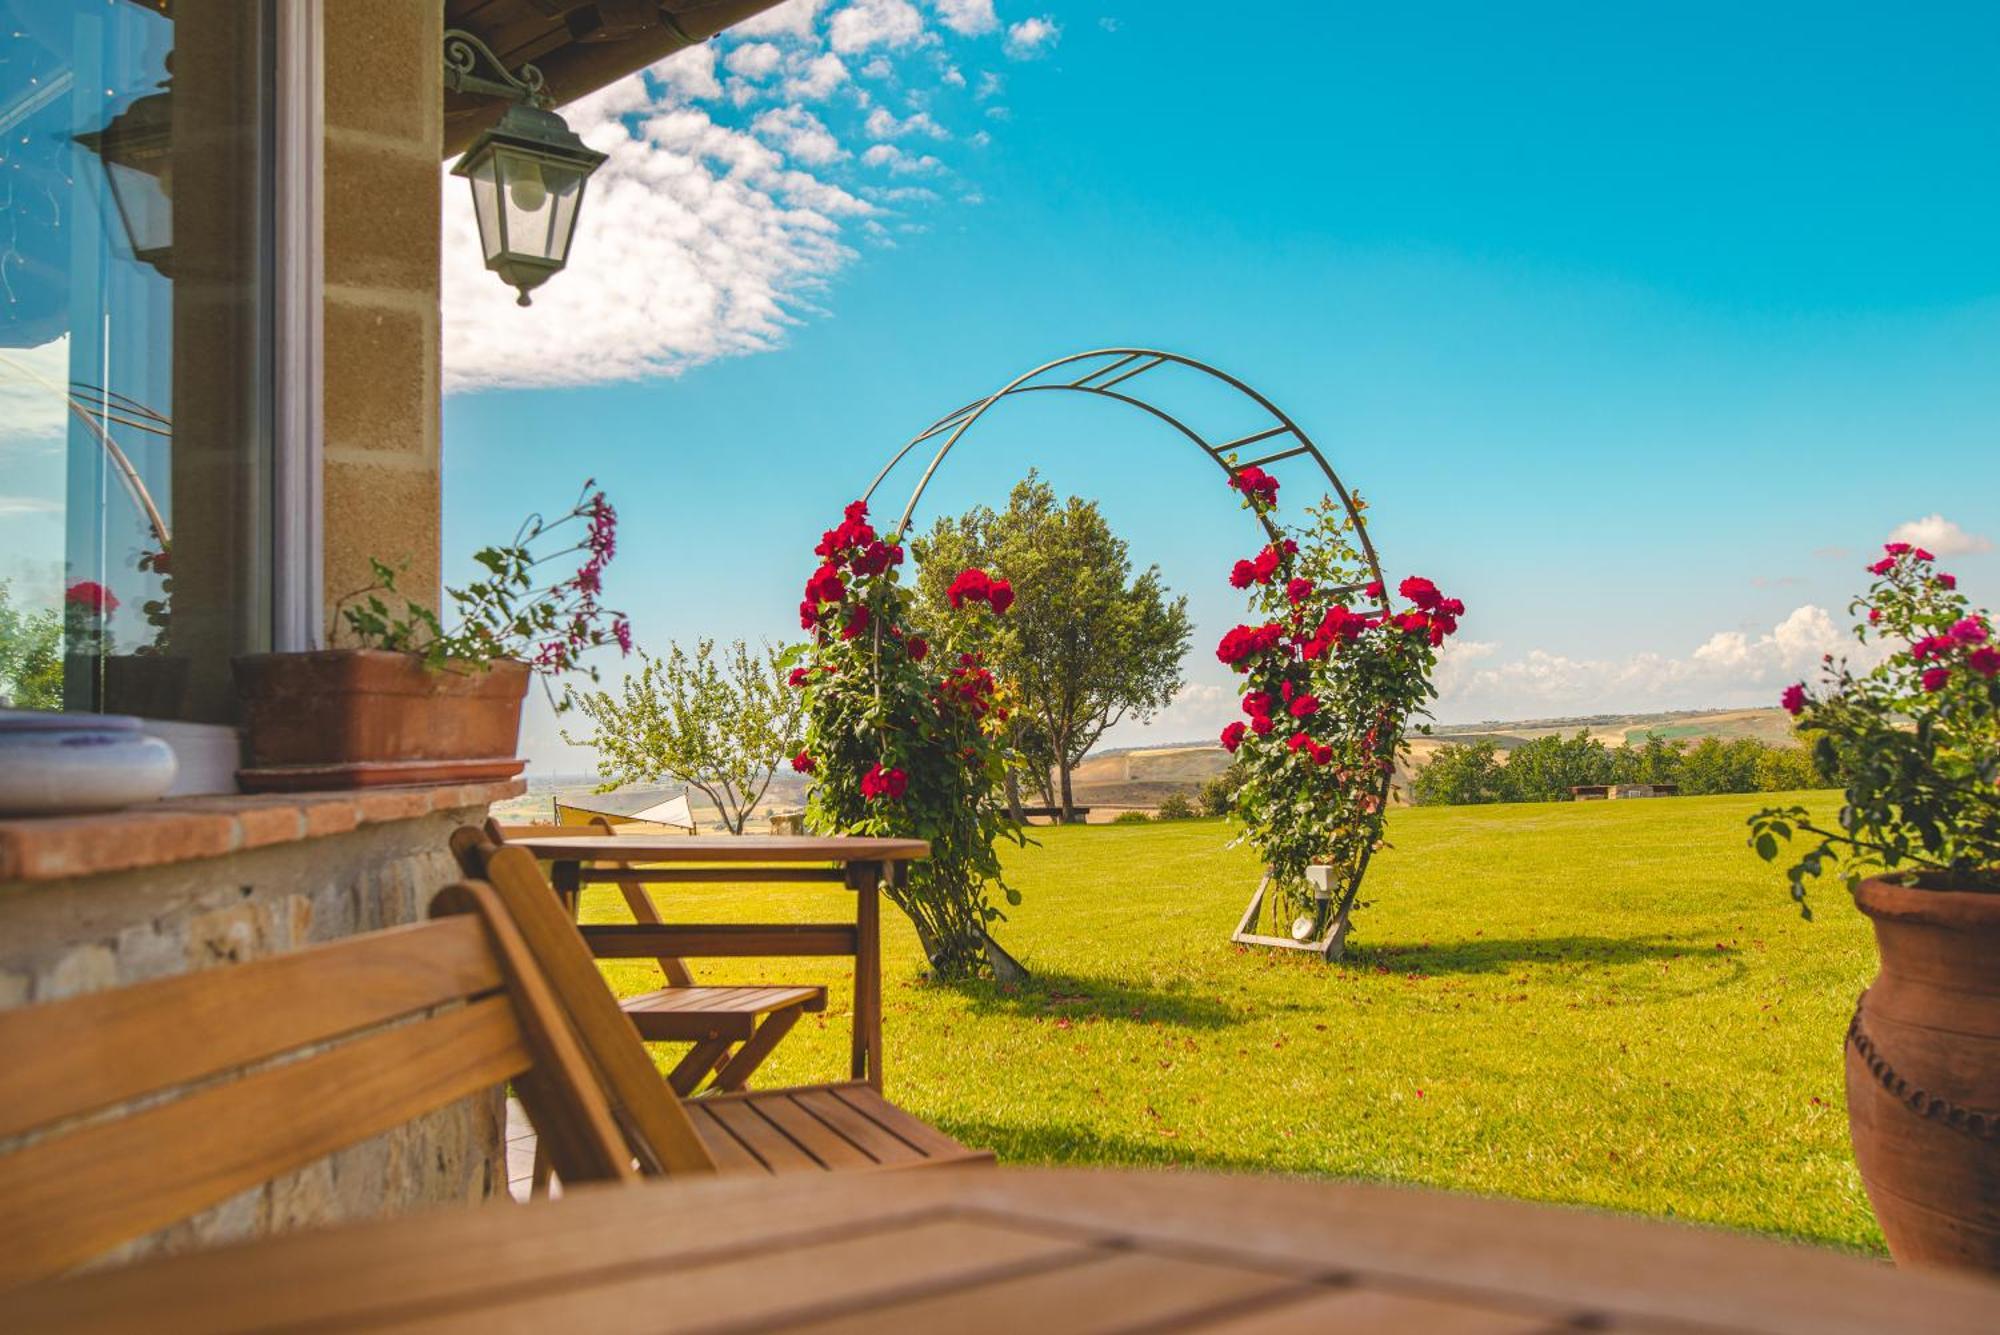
<point x="1545" y="769"/>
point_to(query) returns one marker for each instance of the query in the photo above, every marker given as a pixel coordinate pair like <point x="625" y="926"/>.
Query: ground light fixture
<point x="137" y="150"/>
<point x="527" y="172"/>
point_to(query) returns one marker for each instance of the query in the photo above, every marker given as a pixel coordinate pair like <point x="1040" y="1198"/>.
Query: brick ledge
<point x="184" y="829"/>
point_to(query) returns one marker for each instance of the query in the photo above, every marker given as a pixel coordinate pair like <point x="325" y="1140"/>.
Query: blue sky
<point x="1637" y="331"/>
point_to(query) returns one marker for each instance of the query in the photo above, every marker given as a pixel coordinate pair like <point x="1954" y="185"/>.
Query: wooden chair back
<point x="500" y="833"/>
<point x="127" y="1110"/>
<point x="659" y="1129"/>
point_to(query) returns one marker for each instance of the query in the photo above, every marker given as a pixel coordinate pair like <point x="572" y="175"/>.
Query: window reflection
<point x="132" y="437"/>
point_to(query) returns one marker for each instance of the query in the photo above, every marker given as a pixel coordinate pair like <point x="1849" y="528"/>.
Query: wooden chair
<point x="751" y="1020"/>
<point x="836" y="1126"/>
<point x="124" y="1111"/>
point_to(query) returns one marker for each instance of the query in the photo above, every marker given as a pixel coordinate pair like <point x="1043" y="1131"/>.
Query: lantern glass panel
<point x="486" y="205"/>
<point x="539" y="203"/>
<point x="145" y="204"/>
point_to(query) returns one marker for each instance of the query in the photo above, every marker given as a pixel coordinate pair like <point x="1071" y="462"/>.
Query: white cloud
<point x="689" y="74"/>
<point x="755" y="60"/>
<point x="1729" y="668"/>
<point x="1108" y="24"/>
<point x="866" y="23"/>
<point x="793" y="18"/>
<point x="989" y="86"/>
<point x="801" y="134"/>
<point x="33" y="393"/>
<point x="952" y="78"/>
<point x="879" y="68"/>
<point x="1936" y="534"/>
<point x="968" y="18"/>
<point x="882" y="124"/>
<point x="899" y="162"/>
<point x="817" y="78"/>
<point x="1032" y="37"/>
<point x="696" y="241"/>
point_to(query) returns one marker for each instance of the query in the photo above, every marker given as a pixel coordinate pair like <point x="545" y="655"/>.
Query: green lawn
<point x="1606" y="1003"/>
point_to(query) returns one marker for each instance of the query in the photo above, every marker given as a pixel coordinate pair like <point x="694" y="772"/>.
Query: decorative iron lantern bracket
<point x="463" y="55"/>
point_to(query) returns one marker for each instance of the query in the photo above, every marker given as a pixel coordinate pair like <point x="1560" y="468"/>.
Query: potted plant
<point x="1332" y="676"/>
<point x="1917" y="842"/>
<point x="410" y="701"/>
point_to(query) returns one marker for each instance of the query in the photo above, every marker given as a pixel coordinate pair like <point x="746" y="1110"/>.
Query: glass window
<point x="134" y="438"/>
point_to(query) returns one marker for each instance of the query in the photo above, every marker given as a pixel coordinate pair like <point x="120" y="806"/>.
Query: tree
<point x="31" y="659"/>
<point x="1089" y="645"/>
<point x="1461" y="775"/>
<point x="1545" y="769"/>
<point x="721" y="728"/>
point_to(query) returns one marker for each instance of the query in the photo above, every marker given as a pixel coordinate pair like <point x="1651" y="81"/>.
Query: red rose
<point x="1304" y="706"/>
<point x="803" y="763"/>
<point x="1794" y="699"/>
<point x="1413" y="623"/>
<point x="1420" y="591"/>
<point x="1919" y="554"/>
<point x="1262" y="725"/>
<point x="1257" y="486"/>
<point x="1320" y="754"/>
<point x="971" y="583"/>
<point x="1947" y="581"/>
<point x="826" y="585"/>
<point x="1883" y="566"/>
<point x="1969" y="631"/>
<point x="1232" y="736"/>
<point x="1001" y="596"/>
<point x="1895" y="548"/>
<point x="808" y="615"/>
<point x="1935" y="678"/>
<point x="1874" y="615"/>
<point x="880" y="782"/>
<point x="856" y="511"/>
<point x="799" y="676"/>
<point x="857" y="623"/>
<point x="92" y="597"/>
<point x="1242" y="575"/>
<point x="1985" y="661"/>
<point x="1298" y="741"/>
<point x="1373" y="588"/>
<point x="1257" y="702"/>
<point x="1298" y="590"/>
<point x="918" y="648"/>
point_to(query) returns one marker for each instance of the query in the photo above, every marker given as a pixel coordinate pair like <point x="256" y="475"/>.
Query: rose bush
<point x="1332" y="677"/>
<point x="1917" y="735"/>
<point x="904" y="731"/>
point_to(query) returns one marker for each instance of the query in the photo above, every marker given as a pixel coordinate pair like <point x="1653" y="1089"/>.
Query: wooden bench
<point x="124" y="1111"/>
<point x="836" y="1126"/>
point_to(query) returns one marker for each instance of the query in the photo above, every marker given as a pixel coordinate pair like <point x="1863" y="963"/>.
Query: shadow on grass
<point x="1033" y="1143"/>
<point x="1072" y="996"/>
<point x="1499" y="955"/>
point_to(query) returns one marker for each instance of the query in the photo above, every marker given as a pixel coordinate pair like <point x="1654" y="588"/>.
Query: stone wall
<point x="59" y="938"/>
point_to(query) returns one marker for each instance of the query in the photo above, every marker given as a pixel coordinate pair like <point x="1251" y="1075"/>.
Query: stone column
<point x="384" y="149"/>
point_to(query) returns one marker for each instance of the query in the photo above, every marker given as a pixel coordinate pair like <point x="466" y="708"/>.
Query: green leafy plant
<point x="1178" y="806"/>
<point x="1917" y="737"/>
<point x="721" y="727"/>
<point x="907" y="732"/>
<point x="510" y="612"/>
<point x="31" y="654"/>
<point x="1328" y="691"/>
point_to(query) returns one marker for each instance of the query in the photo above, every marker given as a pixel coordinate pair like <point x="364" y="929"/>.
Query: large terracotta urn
<point x="1923" y="1074"/>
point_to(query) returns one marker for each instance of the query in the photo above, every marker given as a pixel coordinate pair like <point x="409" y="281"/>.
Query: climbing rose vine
<point x="1332" y="677"/>
<point x="1917" y="735"/>
<point x="904" y="734"/>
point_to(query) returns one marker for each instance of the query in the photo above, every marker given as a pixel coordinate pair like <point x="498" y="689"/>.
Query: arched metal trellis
<point x="1109" y="373"/>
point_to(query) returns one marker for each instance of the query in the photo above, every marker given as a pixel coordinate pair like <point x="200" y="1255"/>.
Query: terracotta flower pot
<point x="1923" y="1074"/>
<point x="357" y="718"/>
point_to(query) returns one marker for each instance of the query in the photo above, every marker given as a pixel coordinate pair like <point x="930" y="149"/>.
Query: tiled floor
<point x="521" y="1153"/>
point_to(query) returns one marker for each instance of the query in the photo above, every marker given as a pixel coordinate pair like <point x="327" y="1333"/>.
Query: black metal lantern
<point x="137" y="150"/>
<point x="527" y="177"/>
<point x="527" y="172"/>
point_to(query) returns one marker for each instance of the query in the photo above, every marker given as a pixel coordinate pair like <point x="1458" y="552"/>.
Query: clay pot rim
<point x="348" y="655"/>
<point x="1887" y="897"/>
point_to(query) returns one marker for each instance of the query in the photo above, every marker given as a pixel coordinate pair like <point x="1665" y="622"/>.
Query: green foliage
<point x="1599" y="1004"/>
<point x="1177" y="806"/>
<point x="1545" y="769"/>
<point x="720" y="727"/>
<point x="31" y="654"/>
<point x="1460" y="776"/>
<point x="508" y="612"/>
<point x="1134" y="818"/>
<point x="1089" y="643"/>
<point x="906" y="735"/>
<point x="1218" y="792"/>
<point x="1917" y="738"/>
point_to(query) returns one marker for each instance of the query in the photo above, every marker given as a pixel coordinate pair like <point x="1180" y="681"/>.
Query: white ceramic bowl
<point x="48" y="770"/>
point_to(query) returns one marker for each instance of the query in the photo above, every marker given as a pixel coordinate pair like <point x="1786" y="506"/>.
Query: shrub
<point x="1460" y="776"/>
<point x="1131" y="818"/>
<point x="1218" y="792"/>
<point x="1177" y="806"/>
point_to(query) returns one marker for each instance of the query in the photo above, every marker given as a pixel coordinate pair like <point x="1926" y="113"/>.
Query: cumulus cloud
<point x="1729" y="668"/>
<point x="800" y="134"/>
<point x="817" y="78"/>
<point x="793" y="18"/>
<point x="898" y="162"/>
<point x="689" y="74"/>
<point x="754" y="60"/>
<point x="866" y="23"/>
<point x="969" y="18"/>
<point x="1935" y="533"/>
<point x="882" y="124"/>
<point x="33" y="393"/>
<point x="1032" y="37"/>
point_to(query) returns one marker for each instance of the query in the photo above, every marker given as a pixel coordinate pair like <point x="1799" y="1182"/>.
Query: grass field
<point x="1607" y="1003"/>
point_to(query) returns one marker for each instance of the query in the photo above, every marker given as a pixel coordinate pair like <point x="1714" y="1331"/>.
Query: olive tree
<point x="719" y="723"/>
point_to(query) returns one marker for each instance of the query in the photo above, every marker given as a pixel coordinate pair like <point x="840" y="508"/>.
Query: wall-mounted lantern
<point x="527" y="172"/>
<point x="137" y="150"/>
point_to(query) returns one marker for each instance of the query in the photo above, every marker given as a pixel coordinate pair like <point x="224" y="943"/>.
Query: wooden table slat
<point x="692" y="848"/>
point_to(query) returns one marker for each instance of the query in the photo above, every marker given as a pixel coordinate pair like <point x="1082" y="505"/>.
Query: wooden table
<point x="863" y="864"/>
<point x="1043" y="1251"/>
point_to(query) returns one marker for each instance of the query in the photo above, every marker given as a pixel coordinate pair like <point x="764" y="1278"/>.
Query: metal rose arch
<point x="1110" y="373"/>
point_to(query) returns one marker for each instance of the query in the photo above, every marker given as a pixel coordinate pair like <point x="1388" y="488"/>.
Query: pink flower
<point x="1984" y="660"/>
<point x="1794" y="699"/>
<point x="1969" y="631"/>
<point x="1883" y="566"/>
<point x="1935" y="678"/>
<point x="621" y="630"/>
<point x="1895" y="548"/>
<point x="1919" y="554"/>
<point x="1232" y="736"/>
<point x="1946" y="581"/>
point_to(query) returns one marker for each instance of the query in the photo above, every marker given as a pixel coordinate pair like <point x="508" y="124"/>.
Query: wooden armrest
<point x="647" y="940"/>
